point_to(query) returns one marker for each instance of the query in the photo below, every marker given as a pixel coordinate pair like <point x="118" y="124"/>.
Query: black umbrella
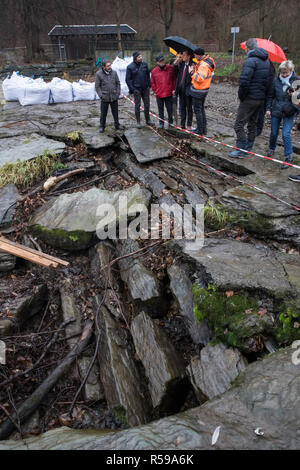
<point x="179" y="44"/>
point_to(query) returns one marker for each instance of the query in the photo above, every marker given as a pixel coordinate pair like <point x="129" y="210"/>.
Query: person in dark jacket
<point x="163" y="83"/>
<point x="108" y="87"/>
<point x="183" y="83"/>
<point x="280" y="106"/>
<point x="138" y="82"/>
<point x="254" y="80"/>
<point x="263" y="109"/>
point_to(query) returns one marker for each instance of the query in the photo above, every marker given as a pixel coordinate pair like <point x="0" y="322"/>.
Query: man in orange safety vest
<point x="201" y="76"/>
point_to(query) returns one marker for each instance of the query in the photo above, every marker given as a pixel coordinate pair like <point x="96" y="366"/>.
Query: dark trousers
<point x="261" y="119"/>
<point x="198" y="105"/>
<point x="248" y="112"/>
<point x="114" y="109"/>
<point x="186" y="109"/>
<point x="161" y="102"/>
<point x="140" y="95"/>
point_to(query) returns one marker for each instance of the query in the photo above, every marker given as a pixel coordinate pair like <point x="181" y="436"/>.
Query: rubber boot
<point x="239" y="153"/>
<point x="138" y="120"/>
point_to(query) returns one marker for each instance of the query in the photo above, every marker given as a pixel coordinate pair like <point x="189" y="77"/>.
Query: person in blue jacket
<point x="138" y="82"/>
<point x="254" y="81"/>
<point x="281" y="108"/>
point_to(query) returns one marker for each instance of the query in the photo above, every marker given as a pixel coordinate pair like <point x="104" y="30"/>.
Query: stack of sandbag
<point x="61" y="91"/>
<point x="120" y="66"/>
<point x="35" y="92"/>
<point x="13" y="86"/>
<point x="84" y="91"/>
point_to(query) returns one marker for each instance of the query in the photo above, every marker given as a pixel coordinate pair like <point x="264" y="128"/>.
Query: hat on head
<point x="136" y="54"/>
<point x="160" y="57"/>
<point x="199" y="51"/>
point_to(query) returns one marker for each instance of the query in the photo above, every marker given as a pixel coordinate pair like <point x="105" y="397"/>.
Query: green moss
<point x="228" y="318"/>
<point x="59" y="238"/>
<point x="120" y="415"/>
<point x="288" y="329"/>
<point x="217" y="217"/>
<point x="75" y="137"/>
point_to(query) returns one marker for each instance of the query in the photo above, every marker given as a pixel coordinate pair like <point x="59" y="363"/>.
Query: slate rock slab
<point x="146" y="145"/>
<point x="215" y="369"/>
<point x="70" y="220"/>
<point x="32" y="147"/>
<point x="230" y="264"/>
<point x="119" y="374"/>
<point x="181" y="287"/>
<point x="96" y="141"/>
<point x="164" y="367"/>
<point x="8" y="197"/>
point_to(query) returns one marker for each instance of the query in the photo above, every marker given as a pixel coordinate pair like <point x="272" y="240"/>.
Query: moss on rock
<point x="59" y="238"/>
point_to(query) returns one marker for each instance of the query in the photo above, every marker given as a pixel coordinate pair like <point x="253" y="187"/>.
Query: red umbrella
<point x="275" y="52"/>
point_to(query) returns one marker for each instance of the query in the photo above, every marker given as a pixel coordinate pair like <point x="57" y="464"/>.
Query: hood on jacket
<point x="260" y="53"/>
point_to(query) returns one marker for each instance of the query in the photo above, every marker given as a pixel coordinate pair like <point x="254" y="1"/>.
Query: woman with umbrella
<point x="281" y="108"/>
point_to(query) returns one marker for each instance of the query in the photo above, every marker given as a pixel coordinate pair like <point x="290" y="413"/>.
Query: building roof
<point x="100" y="29"/>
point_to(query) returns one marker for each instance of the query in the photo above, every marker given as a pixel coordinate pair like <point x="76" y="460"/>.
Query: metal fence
<point x="54" y="52"/>
<point x="112" y="44"/>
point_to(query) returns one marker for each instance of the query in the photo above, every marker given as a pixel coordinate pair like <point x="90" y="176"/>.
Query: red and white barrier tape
<point x="216" y="141"/>
<point x="221" y="172"/>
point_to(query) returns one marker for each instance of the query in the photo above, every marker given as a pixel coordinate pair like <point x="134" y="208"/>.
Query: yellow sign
<point x="175" y="53"/>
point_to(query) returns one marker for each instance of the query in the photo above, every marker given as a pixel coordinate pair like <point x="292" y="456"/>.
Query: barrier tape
<point x="216" y="141"/>
<point x="221" y="172"/>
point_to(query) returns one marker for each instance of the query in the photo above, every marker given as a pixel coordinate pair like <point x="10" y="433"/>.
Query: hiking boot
<point x="139" y="125"/>
<point x="249" y="145"/>
<point x="287" y="159"/>
<point x="101" y="130"/>
<point x="119" y="127"/>
<point x="150" y="123"/>
<point x="270" y="153"/>
<point x="161" y="125"/>
<point x="239" y="153"/>
<point x="295" y="178"/>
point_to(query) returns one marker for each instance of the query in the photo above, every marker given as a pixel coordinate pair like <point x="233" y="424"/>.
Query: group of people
<point x="260" y="93"/>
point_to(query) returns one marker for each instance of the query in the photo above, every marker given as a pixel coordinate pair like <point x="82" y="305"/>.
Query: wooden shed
<point x="80" y="41"/>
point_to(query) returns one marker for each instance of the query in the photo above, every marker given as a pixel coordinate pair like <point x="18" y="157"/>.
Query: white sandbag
<point x="84" y="91"/>
<point x="61" y="91"/>
<point x="14" y="86"/>
<point x="120" y="66"/>
<point x="35" y="92"/>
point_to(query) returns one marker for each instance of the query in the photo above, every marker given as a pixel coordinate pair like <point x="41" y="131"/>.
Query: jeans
<point x="198" y="104"/>
<point x="168" y="101"/>
<point x="140" y="95"/>
<point x="114" y="109"/>
<point x="248" y="112"/>
<point x="186" y="109"/>
<point x="286" y="133"/>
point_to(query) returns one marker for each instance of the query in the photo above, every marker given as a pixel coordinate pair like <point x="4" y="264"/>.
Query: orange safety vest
<point x="203" y="72"/>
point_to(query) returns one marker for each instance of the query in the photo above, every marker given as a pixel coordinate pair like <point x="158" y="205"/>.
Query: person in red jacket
<point x="163" y="83"/>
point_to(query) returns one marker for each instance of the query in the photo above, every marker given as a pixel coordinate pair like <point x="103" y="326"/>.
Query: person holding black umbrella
<point x="201" y="77"/>
<point x="182" y="68"/>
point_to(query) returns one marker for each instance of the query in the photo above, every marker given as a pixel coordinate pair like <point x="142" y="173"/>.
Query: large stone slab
<point x="146" y="145"/>
<point x="97" y="141"/>
<point x="119" y="374"/>
<point x="31" y="147"/>
<point x="164" y="367"/>
<point x="230" y="264"/>
<point x="266" y="396"/>
<point x="213" y="372"/>
<point x="70" y="220"/>
<point x="181" y="287"/>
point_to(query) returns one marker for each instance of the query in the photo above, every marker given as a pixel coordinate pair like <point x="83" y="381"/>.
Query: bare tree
<point x="166" y="9"/>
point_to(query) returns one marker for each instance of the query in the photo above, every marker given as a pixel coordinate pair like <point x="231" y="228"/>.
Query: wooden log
<point x="29" y="254"/>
